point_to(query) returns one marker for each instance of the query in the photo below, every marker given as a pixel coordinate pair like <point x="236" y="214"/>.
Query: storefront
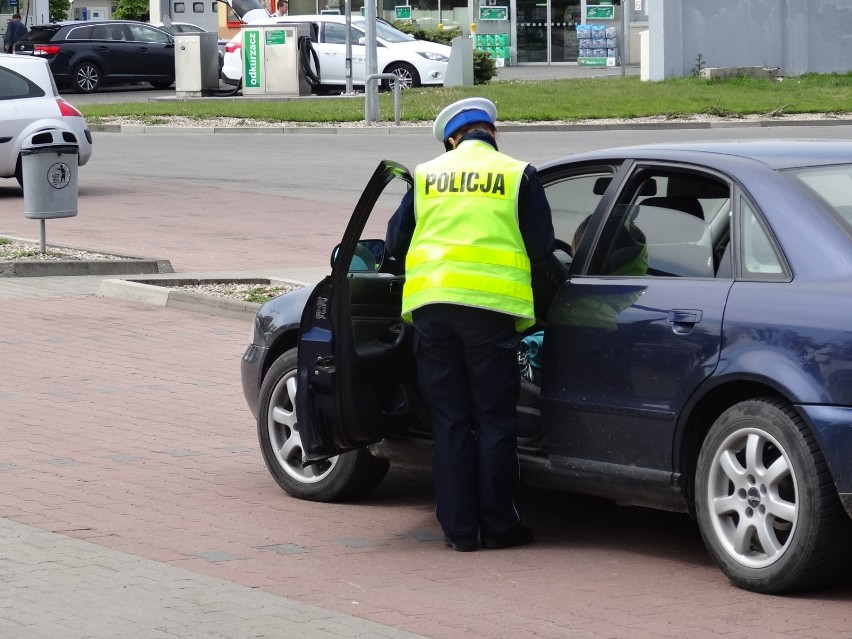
<point x="537" y="31"/>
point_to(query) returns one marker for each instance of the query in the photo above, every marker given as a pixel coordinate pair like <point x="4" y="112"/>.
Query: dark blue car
<point x="693" y="351"/>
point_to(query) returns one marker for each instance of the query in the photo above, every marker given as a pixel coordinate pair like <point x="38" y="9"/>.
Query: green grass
<point x="263" y="294"/>
<point x="614" y="97"/>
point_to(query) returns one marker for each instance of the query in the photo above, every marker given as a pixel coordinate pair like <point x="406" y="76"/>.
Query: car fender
<point x="42" y="124"/>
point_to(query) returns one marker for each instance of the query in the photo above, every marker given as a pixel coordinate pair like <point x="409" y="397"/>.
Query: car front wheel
<point x="407" y="74"/>
<point x="87" y="78"/>
<point x="766" y="503"/>
<point x="345" y="476"/>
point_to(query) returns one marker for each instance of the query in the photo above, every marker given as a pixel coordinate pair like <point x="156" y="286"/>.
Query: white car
<point x="416" y="62"/>
<point x="29" y="102"/>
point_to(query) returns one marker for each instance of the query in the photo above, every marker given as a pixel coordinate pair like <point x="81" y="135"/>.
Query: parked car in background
<point x="416" y="62"/>
<point x="29" y="102"/>
<point x="88" y="55"/>
<point x="694" y="351"/>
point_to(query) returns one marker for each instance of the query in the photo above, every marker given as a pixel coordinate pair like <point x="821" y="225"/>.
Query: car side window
<point x="760" y="260"/>
<point x="335" y="33"/>
<point x="114" y="32"/>
<point x="141" y="33"/>
<point x="13" y="86"/>
<point x="83" y="33"/>
<point x="573" y="199"/>
<point x="666" y="223"/>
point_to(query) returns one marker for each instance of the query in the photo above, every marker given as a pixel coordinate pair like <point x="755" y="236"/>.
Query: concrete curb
<point x="49" y="268"/>
<point x="121" y="265"/>
<point x="156" y="291"/>
<point x="427" y="129"/>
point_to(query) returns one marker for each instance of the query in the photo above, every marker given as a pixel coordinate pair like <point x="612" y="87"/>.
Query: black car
<point x="87" y="55"/>
<point x="714" y="380"/>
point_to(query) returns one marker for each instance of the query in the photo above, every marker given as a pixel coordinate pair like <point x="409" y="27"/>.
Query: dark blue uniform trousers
<point x="468" y="373"/>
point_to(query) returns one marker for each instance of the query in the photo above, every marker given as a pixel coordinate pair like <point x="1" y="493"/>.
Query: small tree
<point x="132" y="10"/>
<point x="58" y="10"/>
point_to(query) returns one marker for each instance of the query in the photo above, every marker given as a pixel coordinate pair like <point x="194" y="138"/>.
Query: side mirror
<point x="362" y="41"/>
<point x="368" y="257"/>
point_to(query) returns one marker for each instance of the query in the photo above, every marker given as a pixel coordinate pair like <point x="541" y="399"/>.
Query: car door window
<point x="666" y="223"/>
<point x="141" y="33"/>
<point x="573" y="199"/>
<point x="336" y="34"/>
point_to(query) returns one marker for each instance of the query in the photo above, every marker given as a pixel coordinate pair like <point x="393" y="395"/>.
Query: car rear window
<point x="831" y="187"/>
<point x="39" y="34"/>
<point x="14" y="86"/>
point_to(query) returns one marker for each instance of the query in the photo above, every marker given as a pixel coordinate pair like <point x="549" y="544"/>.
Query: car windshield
<point x="831" y="187"/>
<point x="386" y="32"/>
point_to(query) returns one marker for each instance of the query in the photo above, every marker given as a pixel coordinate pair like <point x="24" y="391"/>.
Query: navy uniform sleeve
<point x="534" y="218"/>
<point x="401" y="227"/>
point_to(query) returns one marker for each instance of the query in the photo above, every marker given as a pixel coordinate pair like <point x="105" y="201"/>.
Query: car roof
<point x="776" y="154"/>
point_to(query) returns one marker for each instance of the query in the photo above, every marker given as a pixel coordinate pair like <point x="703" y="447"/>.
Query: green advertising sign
<point x="276" y="37"/>
<point x="600" y="12"/>
<point x="493" y="13"/>
<point x="251" y="56"/>
<point x="403" y="12"/>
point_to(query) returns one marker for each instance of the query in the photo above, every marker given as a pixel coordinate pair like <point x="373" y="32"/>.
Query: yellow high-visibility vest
<point x="467" y="248"/>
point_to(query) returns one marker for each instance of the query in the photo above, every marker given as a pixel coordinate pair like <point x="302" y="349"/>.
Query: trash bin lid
<point x="50" y="140"/>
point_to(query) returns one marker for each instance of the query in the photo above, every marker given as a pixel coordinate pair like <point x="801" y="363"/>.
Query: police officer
<point x="468" y="232"/>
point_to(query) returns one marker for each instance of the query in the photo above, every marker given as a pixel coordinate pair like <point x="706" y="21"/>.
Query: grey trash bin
<point x="49" y="162"/>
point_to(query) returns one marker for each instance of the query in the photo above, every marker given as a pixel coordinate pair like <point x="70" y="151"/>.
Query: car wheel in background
<point x="86" y="78"/>
<point x="161" y="84"/>
<point x="407" y="75"/>
<point x="19" y="172"/>
<point x="345" y="476"/>
<point x="766" y="503"/>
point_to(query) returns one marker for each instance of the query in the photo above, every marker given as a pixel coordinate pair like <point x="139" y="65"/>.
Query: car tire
<point x="766" y="504"/>
<point x="86" y="78"/>
<point x="345" y="476"/>
<point x="408" y="76"/>
<point x="19" y="172"/>
<point x="161" y="84"/>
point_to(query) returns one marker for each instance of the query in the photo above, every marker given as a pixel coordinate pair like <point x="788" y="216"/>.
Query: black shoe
<point x="463" y="544"/>
<point x="521" y="537"/>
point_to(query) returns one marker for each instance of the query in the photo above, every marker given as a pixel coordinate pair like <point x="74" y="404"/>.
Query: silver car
<point x="30" y="102"/>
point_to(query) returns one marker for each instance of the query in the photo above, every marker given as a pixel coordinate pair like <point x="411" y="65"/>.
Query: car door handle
<point x="142" y="49"/>
<point x="101" y="48"/>
<point x="326" y="364"/>
<point x="684" y="320"/>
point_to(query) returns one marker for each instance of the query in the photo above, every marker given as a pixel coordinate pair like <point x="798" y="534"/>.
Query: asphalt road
<point x="155" y="392"/>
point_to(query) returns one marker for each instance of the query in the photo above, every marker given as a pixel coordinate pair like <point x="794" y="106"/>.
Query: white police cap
<point x="466" y="111"/>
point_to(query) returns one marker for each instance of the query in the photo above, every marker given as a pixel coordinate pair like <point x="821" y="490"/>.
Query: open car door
<point x="356" y="375"/>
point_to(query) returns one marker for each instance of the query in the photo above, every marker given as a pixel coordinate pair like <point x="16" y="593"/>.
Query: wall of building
<point x="797" y="36"/>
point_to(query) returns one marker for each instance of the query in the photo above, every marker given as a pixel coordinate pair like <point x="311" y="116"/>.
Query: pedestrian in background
<point x="15" y="30"/>
<point x="283" y="6"/>
<point x="468" y="231"/>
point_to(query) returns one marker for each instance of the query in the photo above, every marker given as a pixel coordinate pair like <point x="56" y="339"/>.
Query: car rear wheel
<point x="408" y="76"/>
<point x="766" y="503"/>
<point x="345" y="476"/>
<point x="86" y="77"/>
<point x="161" y="84"/>
<point x="19" y="172"/>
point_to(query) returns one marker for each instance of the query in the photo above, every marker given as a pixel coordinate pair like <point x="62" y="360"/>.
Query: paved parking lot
<point x="134" y="501"/>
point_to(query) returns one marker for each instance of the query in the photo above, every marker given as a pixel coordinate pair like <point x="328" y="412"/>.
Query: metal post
<point x="625" y="37"/>
<point x="397" y="88"/>
<point x="42" y="237"/>
<point x="371" y="93"/>
<point x="348" y="12"/>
